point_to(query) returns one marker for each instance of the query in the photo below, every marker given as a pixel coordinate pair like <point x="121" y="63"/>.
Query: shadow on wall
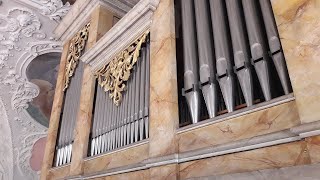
<point x="43" y="72"/>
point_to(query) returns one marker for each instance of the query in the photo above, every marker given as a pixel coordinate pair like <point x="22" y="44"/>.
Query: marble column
<point x="298" y="23"/>
<point x="164" y="118"/>
<point x="101" y="22"/>
<point x="55" y="116"/>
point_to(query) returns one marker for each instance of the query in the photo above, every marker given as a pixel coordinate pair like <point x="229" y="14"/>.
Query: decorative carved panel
<point x="112" y="77"/>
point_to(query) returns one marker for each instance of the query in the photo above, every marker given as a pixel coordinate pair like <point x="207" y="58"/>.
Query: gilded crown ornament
<point x="112" y="77"/>
<point x="76" y="48"/>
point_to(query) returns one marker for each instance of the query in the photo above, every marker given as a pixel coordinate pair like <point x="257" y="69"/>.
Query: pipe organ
<point x="121" y="100"/>
<point x="232" y="56"/>
<point x="172" y="88"/>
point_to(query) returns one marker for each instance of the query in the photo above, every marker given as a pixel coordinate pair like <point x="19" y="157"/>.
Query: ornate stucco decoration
<point x="112" y="77"/>
<point x="21" y="23"/>
<point x="53" y="9"/>
<point x="76" y="48"/>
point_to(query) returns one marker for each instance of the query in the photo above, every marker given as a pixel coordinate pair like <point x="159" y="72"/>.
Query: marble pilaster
<point x="101" y="22"/>
<point x="298" y="23"/>
<point x="55" y="117"/>
<point x="164" y="117"/>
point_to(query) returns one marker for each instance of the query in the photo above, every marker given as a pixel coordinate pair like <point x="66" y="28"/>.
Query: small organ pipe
<point x="137" y="99"/>
<point x="147" y="88"/>
<point x="142" y="90"/>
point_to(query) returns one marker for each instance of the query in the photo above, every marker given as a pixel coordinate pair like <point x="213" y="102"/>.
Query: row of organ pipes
<point x="113" y="126"/>
<point x="209" y="56"/>
<point x="68" y="118"/>
<point x="117" y="126"/>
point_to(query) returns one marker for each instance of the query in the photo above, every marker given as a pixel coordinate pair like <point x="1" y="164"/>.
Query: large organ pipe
<point x="258" y="49"/>
<point x="191" y="76"/>
<point x="222" y="52"/>
<point x="240" y="49"/>
<point x="125" y="115"/>
<point x="275" y="45"/>
<point x="206" y="58"/>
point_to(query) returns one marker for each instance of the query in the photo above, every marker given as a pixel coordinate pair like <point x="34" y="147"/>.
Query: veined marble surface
<point x="266" y="121"/>
<point x="307" y="172"/>
<point x="298" y="23"/>
<point x="285" y="155"/>
<point x="164" y="117"/>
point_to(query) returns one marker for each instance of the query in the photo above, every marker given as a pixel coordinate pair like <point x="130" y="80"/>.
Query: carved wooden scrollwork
<point x="76" y="48"/>
<point x="112" y="77"/>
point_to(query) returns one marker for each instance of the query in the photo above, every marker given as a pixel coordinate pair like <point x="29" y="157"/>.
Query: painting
<point x="43" y="72"/>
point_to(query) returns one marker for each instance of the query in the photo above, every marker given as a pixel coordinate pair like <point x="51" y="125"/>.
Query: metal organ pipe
<point x="222" y="52"/>
<point x="147" y="88"/>
<point x="206" y="58"/>
<point x="221" y="38"/>
<point x="191" y="76"/>
<point x="240" y="49"/>
<point x="142" y="92"/>
<point x="275" y="45"/>
<point x="259" y="51"/>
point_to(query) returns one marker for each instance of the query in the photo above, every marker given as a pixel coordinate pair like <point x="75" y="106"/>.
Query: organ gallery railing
<point x="72" y="89"/>
<point x="231" y="55"/>
<point x="121" y="112"/>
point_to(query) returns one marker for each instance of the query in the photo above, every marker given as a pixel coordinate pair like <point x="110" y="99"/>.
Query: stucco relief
<point x="24" y="35"/>
<point x="6" y="157"/>
<point x="21" y="23"/>
<point x="53" y="9"/>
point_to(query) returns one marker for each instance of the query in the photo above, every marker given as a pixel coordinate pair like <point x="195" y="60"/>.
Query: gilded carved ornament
<point x="112" y="77"/>
<point x="76" y="48"/>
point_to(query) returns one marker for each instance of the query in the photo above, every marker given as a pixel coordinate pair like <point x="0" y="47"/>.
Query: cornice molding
<point x="80" y="13"/>
<point x="130" y="27"/>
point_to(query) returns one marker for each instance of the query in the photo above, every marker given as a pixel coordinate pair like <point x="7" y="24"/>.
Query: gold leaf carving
<point x="112" y="77"/>
<point x="76" y="48"/>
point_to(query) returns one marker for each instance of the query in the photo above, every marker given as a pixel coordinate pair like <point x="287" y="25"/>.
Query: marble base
<point x="113" y="160"/>
<point x="285" y="155"/>
<point x="308" y="172"/>
<point x="58" y="173"/>
<point x="266" y="121"/>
